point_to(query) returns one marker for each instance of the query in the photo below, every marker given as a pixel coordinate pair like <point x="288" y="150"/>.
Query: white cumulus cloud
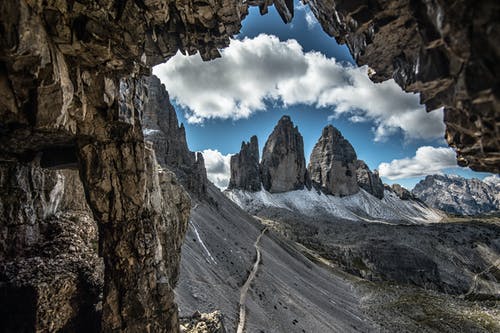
<point x="427" y="161"/>
<point x="218" y="167"/>
<point x="264" y="69"/>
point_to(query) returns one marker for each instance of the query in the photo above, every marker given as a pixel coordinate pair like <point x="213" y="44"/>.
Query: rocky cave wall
<point x="71" y="97"/>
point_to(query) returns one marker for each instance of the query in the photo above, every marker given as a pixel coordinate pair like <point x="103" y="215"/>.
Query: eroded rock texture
<point x="457" y="195"/>
<point x="72" y="97"/>
<point x="332" y="165"/>
<point x="402" y="192"/>
<point x="161" y="127"/>
<point x="245" y="169"/>
<point x="368" y="180"/>
<point x="283" y="166"/>
<point x="50" y="274"/>
<point x="203" y="323"/>
<point x="447" y="51"/>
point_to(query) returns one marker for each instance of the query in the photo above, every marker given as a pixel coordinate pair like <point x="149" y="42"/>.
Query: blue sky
<point x="220" y="124"/>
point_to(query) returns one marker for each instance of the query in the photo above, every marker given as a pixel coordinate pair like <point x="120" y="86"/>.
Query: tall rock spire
<point x="245" y="173"/>
<point x="283" y="166"/>
<point x="332" y="164"/>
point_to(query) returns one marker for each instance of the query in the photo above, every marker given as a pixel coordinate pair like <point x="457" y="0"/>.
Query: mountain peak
<point x="245" y="170"/>
<point x="457" y="195"/>
<point x="332" y="164"/>
<point x="283" y="166"/>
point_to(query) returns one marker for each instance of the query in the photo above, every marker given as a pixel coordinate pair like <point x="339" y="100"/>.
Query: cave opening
<point x="72" y="88"/>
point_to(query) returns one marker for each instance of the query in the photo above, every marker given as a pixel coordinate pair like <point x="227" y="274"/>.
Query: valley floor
<point x="338" y="277"/>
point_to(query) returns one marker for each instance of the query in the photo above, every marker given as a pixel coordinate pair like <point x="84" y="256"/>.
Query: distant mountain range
<point x="457" y="195"/>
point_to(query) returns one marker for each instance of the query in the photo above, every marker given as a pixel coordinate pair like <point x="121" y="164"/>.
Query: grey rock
<point x="283" y="166"/>
<point x="368" y="180"/>
<point x="245" y="169"/>
<point x="458" y="195"/>
<point x="48" y="251"/>
<point x="402" y="192"/>
<point x="70" y="79"/>
<point x="332" y="166"/>
<point x="161" y="127"/>
<point x="203" y="323"/>
<point x="290" y="292"/>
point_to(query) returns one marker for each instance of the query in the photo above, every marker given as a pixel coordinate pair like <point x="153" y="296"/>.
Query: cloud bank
<point x="218" y="167"/>
<point x="264" y="69"/>
<point x="427" y="161"/>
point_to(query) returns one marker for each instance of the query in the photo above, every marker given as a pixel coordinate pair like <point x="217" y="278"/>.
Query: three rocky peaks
<point x="333" y="168"/>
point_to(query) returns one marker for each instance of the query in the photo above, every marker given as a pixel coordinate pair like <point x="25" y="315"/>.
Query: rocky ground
<point x="345" y="276"/>
<point x="290" y="293"/>
<point x="203" y="323"/>
<point x="445" y="257"/>
<point x="405" y="308"/>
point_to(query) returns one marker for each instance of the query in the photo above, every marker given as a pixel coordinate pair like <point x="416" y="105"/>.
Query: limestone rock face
<point x="142" y="214"/>
<point x="368" y="180"/>
<point x="447" y="51"/>
<point x="283" y="166"/>
<point x="457" y="195"/>
<point x="245" y="169"/>
<point x="203" y="323"/>
<point x="402" y="192"/>
<point x="72" y="96"/>
<point x="161" y="127"/>
<point x="50" y="273"/>
<point x="332" y="166"/>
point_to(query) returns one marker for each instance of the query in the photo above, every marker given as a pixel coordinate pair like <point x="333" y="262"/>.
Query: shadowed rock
<point x="402" y="192"/>
<point x="369" y="181"/>
<point x="161" y="127"/>
<point x="245" y="170"/>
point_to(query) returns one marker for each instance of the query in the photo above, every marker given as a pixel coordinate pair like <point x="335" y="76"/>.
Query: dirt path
<point x="244" y="288"/>
<point x="474" y="280"/>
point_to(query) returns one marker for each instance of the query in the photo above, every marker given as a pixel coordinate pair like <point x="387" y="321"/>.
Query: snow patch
<point x="361" y="206"/>
<point x="149" y="131"/>
<point x="202" y="244"/>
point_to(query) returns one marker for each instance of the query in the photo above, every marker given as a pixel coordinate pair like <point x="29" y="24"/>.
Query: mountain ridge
<point x="460" y="196"/>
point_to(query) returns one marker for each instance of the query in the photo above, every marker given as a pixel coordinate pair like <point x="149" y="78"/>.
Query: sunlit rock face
<point x="332" y="164"/>
<point x="447" y="51"/>
<point x="283" y="166"/>
<point x="245" y="169"/>
<point x="457" y="195"/>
